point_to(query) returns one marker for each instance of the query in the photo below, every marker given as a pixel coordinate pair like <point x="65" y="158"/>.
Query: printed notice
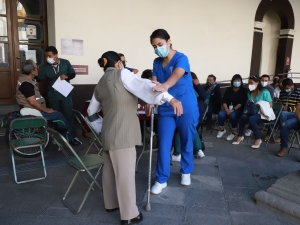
<point x="81" y="69"/>
<point x="31" y="31"/>
<point x="30" y="54"/>
<point x="71" y="46"/>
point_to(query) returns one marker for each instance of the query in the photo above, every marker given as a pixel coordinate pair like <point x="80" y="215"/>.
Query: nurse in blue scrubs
<point x="171" y="72"/>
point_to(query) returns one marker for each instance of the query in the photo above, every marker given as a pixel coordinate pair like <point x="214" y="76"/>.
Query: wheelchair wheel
<point x="27" y="133"/>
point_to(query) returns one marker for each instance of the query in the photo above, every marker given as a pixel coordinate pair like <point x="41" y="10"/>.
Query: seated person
<point x="292" y="123"/>
<point x="289" y="97"/>
<point x="122" y="56"/>
<point x="277" y="84"/>
<point x="256" y="94"/>
<point x="213" y="101"/>
<point x="233" y="103"/>
<point x="147" y="74"/>
<point x="29" y="96"/>
<point x="202" y="95"/>
<point x="265" y="80"/>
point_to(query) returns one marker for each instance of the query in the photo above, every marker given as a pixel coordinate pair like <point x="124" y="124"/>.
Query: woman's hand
<point x="160" y="87"/>
<point x="229" y="112"/>
<point x="177" y="106"/>
<point x="148" y="108"/>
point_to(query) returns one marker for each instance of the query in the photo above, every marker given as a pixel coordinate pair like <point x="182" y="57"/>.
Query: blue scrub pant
<point x="186" y="125"/>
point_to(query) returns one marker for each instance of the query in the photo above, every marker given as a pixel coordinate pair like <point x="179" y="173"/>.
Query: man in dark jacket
<point x="213" y="100"/>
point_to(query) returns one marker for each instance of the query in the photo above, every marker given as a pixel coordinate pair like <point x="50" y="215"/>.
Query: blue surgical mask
<point x="288" y="90"/>
<point x="236" y="84"/>
<point x="162" y="51"/>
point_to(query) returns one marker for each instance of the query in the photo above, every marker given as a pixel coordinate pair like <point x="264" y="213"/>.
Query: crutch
<point x="148" y="206"/>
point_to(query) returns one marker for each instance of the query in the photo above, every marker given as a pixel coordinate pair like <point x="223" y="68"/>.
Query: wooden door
<point x="23" y="35"/>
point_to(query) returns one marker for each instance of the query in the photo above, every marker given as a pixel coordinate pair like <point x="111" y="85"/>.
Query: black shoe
<point x="74" y="142"/>
<point x="137" y="219"/>
<point x="112" y="210"/>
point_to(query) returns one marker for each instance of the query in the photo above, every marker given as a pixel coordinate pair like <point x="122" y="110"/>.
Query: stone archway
<point x="284" y="53"/>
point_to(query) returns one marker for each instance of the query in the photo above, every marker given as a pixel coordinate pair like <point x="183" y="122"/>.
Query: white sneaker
<point x="76" y="139"/>
<point x="231" y="137"/>
<point x="248" y="133"/>
<point x="185" y="179"/>
<point x="157" y="187"/>
<point x="221" y="133"/>
<point x="176" y="158"/>
<point x="200" y="154"/>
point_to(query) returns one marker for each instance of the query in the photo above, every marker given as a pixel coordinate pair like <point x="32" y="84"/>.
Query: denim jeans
<point x="233" y="117"/>
<point x="285" y="115"/>
<point x="58" y="116"/>
<point x="291" y="123"/>
<point x="253" y="122"/>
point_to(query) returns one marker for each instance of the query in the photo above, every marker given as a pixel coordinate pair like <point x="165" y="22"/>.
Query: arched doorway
<point x="285" y="45"/>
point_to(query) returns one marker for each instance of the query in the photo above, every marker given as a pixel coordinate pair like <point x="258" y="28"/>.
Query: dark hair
<point x="194" y="76"/>
<point x="235" y="77"/>
<point x="213" y="76"/>
<point x="265" y="75"/>
<point x="51" y="49"/>
<point x="287" y="82"/>
<point x="120" y="54"/>
<point x="108" y="59"/>
<point x="160" y="33"/>
<point x="27" y="66"/>
<point x="147" y="74"/>
<point x="256" y="79"/>
<point x="276" y="76"/>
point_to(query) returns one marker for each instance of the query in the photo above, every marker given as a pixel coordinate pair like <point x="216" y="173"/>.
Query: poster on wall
<point x="31" y="31"/>
<point x="71" y="46"/>
<point x="66" y="46"/>
<point x="81" y="69"/>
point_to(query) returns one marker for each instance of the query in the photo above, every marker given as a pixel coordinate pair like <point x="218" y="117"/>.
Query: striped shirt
<point x="290" y="100"/>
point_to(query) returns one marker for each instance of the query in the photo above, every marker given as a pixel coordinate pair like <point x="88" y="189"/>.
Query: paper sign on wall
<point x="71" y="46"/>
<point x="31" y="31"/>
<point x="30" y="54"/>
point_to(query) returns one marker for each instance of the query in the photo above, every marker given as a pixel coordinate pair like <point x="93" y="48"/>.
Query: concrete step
<point x="284" y="195"/>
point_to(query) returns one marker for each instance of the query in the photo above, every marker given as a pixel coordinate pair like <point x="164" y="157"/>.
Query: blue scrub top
<point x="183" y="90"/>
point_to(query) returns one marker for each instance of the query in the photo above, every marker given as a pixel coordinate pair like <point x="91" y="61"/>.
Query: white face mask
<point x="264" y="83"/>
<point x="50" y="60"/>
<point x="252" y="87"/>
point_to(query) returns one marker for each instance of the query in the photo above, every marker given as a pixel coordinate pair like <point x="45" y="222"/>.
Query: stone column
<point x="257" y="48"/>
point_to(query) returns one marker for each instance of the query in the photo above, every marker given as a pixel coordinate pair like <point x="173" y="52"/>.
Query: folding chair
<point x="85" y="123"/>
<point x="17" y="143"/>
<point x="277" y="107"/>
<point x="81" y="164"/>
<point x="294" y="136"/>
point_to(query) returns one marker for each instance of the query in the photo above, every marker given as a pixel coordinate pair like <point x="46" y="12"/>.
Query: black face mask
<point x="124" y="63"/>
<point x="275" y="81"/>
<point x="209" y="84"/>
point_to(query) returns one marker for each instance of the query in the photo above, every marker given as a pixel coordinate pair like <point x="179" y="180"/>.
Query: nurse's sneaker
<point x="176" y="158"/>
<point x="221" y="133"/>
<point x="248" y="133"/>
<point x="157" y="187"/>
<point x="185" y="179"/>
<point x="200" y="154"/>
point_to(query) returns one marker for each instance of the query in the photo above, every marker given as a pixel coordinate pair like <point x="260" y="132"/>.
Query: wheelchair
<point x="29" y="132"/>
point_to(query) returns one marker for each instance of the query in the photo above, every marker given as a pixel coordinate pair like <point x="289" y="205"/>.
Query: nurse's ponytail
<point x="108" y="59"/>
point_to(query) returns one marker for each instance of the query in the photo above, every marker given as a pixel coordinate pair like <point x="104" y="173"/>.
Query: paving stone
<point x="50" y="220"/>
<point x="206" y="183"/>
<point x="245" y="218"/>
<point x="200" y="218"/>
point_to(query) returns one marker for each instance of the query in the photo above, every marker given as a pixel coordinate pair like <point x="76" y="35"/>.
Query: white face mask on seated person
<point x="252" y="87"/>
<point x="264" y="83"/>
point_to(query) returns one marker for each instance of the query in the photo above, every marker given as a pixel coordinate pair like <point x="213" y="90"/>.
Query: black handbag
<point x="251" y="108"/>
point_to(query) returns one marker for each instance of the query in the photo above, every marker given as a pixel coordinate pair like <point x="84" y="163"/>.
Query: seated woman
<point x="233" y="103"/>
<point x="256" y="94"/>
<point x="213" y="100"/>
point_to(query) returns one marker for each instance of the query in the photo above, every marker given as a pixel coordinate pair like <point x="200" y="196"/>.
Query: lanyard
<point x="56" y="71"/>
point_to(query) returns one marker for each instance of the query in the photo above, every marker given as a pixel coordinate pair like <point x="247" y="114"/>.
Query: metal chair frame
<point x="27" y="142"/>
<point x="83" y="163"/>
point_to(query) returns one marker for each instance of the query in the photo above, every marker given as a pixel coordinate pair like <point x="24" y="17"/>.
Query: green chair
<point x="294" y="136"/>
<point x="83" y="163"/>
<point x="17" y="143"/>
<point x="94" y="138"/>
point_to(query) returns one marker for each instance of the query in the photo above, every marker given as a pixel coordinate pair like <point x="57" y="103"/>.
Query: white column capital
<point x="258" y="24"/>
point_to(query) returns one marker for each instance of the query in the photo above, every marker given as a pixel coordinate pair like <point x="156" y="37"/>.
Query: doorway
<point x="23" y="35"/>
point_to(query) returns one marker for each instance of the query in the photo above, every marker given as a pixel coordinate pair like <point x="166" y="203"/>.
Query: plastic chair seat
<point x="90" y="161"/>
<point x="26" y="143"/>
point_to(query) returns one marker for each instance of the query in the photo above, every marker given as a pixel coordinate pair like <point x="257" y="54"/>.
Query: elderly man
<point x="29" y="96"/>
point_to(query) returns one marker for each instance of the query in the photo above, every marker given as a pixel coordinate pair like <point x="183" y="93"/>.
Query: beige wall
<point x="217" y="36"/>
